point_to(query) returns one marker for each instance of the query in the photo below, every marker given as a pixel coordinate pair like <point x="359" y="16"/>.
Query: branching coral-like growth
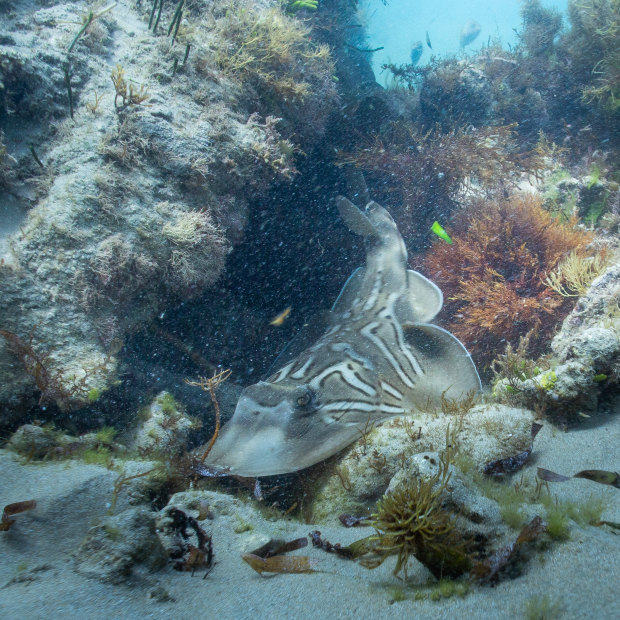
<point x="515" y="366"/>
<point x="127" y="92"/>
<point x="574" y="275"/>
<point x="493" y="276"/>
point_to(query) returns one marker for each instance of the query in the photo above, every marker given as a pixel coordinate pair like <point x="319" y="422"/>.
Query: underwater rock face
<point x="587" y="350"/>
<point x="136" y="205"/>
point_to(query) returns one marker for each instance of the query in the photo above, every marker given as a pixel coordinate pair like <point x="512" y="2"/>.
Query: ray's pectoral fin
<point x="351" y="290"/>
<point x="448" y="367"/>
<point x="421" y="302"/>
<point x="307" y="335"/>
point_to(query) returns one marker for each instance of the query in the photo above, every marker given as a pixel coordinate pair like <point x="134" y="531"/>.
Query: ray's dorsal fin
<point x="448" y="367"/>
<point x="357" y="186"/>
<point x="307" y="335"/>
<point x="357" y="221"/>
<point x="351" y="289"/>
<point x="421" y="302"/>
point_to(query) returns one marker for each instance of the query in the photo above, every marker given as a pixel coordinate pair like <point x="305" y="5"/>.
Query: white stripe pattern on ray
<point x="346" y="371"/>
<point x="299" y="374"/>
<point x="367" y="332"/>
<point x="402" y="345"/>
<point x="390" y="389"/>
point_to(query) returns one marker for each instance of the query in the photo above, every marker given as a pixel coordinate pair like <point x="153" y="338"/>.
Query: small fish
<point x="550" y="476"/>
<point x="601" y="476"/>
<point x="437" y="228"/>
<point x="470" y="32"/>
<point x="417" y="49"/>
<point x="428" y="41"/>
<point x="275" y="546"/>
<point x="612" y="478"/>
<point x="280" y="318"/>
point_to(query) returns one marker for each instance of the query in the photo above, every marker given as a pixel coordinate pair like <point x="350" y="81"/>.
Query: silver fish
<point x="378" y="358"/>
<point x="470" y="32"/>
<point x="417" y="49"/>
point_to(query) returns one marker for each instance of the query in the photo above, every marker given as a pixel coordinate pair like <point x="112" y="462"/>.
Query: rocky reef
<point x="132" y="180"/>
<point x="166" y="172"/>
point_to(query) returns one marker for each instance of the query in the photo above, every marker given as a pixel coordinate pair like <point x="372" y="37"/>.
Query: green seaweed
<point x="558" y="522"/>
<point x="101" y="455"/>
<point x="168" y="404"/>
<point x="547" y="380"/>
<point x="542" y="608"/>
<point x="105" y="435"/>
<point x="93" y="395"/>
<point x="410" y="521"/>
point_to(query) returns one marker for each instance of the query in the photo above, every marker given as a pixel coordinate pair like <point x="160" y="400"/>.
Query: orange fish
<point x="278" y="320"/>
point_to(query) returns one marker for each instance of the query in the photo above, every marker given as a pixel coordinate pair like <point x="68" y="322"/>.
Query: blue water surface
<point x="397" y="25"/>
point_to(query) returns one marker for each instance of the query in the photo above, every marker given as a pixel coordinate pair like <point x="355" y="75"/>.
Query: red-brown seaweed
<point x="191" y="557"/>
<point x="510" y="464"/>
<point x="351" y="521"/>
<point x="488" y="571"/>
<point x="284" y="564"/>
<point x="338" y="549"/>
<point x="14" y="509"/>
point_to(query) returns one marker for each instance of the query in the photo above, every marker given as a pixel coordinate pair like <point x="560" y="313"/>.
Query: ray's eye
<point x="304" y="399"/>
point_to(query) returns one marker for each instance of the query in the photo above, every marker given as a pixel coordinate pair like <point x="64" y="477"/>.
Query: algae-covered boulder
<point x="119" y="545"/>
<point x="130" y="202"/>
<point x="355" y="482"/>
<point x="586" y="357"/>
<point x="163" y="427"/>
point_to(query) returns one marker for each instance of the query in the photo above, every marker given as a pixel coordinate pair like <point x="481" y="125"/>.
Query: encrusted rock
<point x="37" y="441"/>
<point x="164" y="427"/>
<point x="115" y="548"/>
<point x="130" y="210"/>
<point x="207" y="508"/>
<point x="586" y="356"/>
<point x="356" y="481"/>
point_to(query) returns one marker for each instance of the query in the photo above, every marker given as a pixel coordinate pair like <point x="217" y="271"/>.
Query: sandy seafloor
<point x="582" y="574"/>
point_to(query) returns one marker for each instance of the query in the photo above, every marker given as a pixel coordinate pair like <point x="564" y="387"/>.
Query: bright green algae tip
<point x="437" y="228"/>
